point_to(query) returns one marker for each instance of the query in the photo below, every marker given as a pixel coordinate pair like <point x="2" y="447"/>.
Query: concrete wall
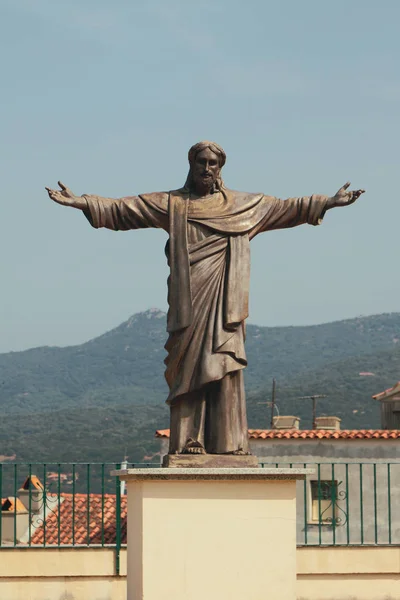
<point x="348" y="573"/>
<point x="88" y="574"/>
<point x="323" y="450"/>
<point x="201" y="539"/>
<point x="61" y="574"/>
<point x="362" y="516"/>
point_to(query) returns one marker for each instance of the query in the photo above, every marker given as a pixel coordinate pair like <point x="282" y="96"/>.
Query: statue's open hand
<point x="344" y="197"/>
<point x="66" y="197"/>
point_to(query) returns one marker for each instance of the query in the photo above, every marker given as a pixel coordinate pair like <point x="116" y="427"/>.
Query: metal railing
<point x="81" y="504"/>
<point x="54" y="505"/>
<point x="348" y="503"/>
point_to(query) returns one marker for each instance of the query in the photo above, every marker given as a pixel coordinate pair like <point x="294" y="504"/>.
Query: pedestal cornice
<point x="223" y="474"/>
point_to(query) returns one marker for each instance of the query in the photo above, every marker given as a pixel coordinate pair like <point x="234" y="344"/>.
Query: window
<point x="324" y="499"/>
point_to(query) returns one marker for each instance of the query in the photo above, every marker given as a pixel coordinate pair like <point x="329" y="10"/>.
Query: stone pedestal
<point x="211" y="534"/>
<point x="210" y="461"/>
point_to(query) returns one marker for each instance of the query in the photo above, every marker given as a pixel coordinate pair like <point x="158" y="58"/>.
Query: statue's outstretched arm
<point x="117" y="214"/>
<point x="283" y="214"/>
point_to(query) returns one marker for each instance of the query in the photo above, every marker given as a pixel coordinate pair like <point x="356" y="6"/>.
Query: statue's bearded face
<point x="205" y="170"/>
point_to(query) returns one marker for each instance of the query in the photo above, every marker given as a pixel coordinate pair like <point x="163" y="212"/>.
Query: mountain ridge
<point x="158" y="313"/>
<point x="52" y="393"/>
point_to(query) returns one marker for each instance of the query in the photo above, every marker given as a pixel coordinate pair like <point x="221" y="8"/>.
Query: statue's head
<point x="206" y="160"/>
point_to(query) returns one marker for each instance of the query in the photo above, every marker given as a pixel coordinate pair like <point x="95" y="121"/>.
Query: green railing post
<point x="59" y="506"/>
<point x="319" y="505"/>
<point x="73" y="502"/>
<point x="15" y="503"/>
<point x="44" y="503"/>
<point x="1" y="496"/>
<point x="389" y="504"/>
<point x="102" y="504"/>
<point x="88" y="504"/>
<point x="361" y="505"/>
<point x="334" y="501"/>
<point x="30" y="504"/>
<point x="305" y="508"/>
<point x="375" y="507"/>
<point x="347" y="505"/>
<point x="117" y="522"/>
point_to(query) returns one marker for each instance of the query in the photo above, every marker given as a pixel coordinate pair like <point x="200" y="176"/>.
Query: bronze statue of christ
<point x="208" y="251"/>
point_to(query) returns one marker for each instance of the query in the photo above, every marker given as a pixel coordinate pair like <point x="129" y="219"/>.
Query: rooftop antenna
<point x="272" y="404"/>
<point x="314" y="399"/>
<point x="124" y="465"/>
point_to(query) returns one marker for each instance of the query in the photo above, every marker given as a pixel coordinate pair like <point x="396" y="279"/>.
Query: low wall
<point x="352" y="573"/>
<point x="365" y="573"/>
<point x="62" y="574"/>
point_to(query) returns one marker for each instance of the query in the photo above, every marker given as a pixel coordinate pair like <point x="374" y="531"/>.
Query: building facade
<point x="352" y="497"/>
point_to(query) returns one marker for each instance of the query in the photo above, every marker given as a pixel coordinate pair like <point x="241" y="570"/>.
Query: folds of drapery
<point x="240" y="217"/>
<point x="206" y="350"/>
<point x="209" y="281"/>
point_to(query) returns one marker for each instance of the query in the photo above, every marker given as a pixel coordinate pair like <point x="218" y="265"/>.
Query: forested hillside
<point x="103" y="398"/>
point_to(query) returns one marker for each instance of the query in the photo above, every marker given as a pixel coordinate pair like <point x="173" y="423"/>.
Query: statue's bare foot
<point x="239" y="452"/>
<point x="193" y="447"/>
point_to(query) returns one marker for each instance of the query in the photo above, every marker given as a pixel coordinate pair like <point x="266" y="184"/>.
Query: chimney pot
<point x="330" y="423"/>
<point x="286" y="422"/>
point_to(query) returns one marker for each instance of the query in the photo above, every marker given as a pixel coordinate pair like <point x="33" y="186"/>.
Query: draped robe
<point x="208" y="253"/>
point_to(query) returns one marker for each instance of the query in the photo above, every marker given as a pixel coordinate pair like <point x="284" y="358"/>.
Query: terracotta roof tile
<point x="162" y="433"/>
<point x="71" y="520"/>
<point x="309" y="434"/>
<point x="327" y="434"/>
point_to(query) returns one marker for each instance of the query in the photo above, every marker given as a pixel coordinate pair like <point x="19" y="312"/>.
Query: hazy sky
<point x="108" y="97"/>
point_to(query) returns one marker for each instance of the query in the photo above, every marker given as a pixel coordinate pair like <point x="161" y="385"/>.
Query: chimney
<point x="14" y="520"/>
<point x="328" y="423"/>
<point x="286" y="422"/>
<point x="32" y="494"/>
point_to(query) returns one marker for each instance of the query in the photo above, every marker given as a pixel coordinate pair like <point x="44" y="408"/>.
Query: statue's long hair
<point x="194" y="151"/>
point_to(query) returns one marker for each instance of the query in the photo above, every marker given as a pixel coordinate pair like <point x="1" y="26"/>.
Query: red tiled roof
<point x="298" y="434"/>
<point x="327" y="434"/>
<point x="72" y="518"/>
<point x="162" y="433"/>
<point x="389" y="392"/>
